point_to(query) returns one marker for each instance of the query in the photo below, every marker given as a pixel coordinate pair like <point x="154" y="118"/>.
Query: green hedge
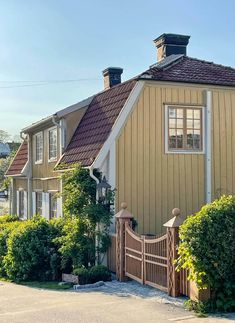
<point x="39" y="249"/>
<point x="31" y="252"/>
<point x="6" y="227"/>
<point x="8" y="218"/>
<point x="208" y="250"/>
<point x="92" y="275"/>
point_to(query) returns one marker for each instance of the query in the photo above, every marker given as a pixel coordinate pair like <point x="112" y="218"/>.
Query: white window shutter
<point x="34" y="202"/>
<point x="45" y="205"/>
<point x="59" y="207"/>
<point x="17" y="202"/>
<point x="25" y="205"/>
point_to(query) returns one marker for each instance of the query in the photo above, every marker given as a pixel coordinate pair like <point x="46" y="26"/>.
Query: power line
<point x="43" y="82"/>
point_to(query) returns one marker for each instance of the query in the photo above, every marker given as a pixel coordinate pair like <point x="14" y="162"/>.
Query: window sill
<point x="38" y="162"/>
<point x="52" y="160"/>
<point x="185" y="152"/>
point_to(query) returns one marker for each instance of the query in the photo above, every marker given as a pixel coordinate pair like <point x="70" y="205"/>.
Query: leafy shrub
<point x="5" y="230"/>
<point x="76" y="243"/>
<point x="83" y="275"/>
<point x="88" y="221"/>
<point x="92" y="275"/>
<point x="79" y="190"/>
<point x="208" y="250"/>
<point x="31" y="253"/>
<point x="8" y="218"/>
<point x="98" y="273"/>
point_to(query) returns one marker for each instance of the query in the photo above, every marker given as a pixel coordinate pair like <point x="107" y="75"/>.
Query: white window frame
<point x="21" y="203"/>
<point x="36" y="202"/>
<point x="181" y="151"/>
<point x="53" y="212"/>
<point x="53" y="158"/>
<point x="39" y="135"/>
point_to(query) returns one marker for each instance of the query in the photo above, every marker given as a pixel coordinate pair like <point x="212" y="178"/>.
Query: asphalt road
<point x="24" y="304"/>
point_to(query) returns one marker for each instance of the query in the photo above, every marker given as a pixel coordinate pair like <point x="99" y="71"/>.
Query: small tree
<point x="4" y="136"/>
<point x="80" y="206"/>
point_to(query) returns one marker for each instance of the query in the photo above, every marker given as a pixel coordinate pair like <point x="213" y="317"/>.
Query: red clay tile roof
<point x="19" y="160"/>
<point x="96" y="125"/>
<point x="191" y="70"/>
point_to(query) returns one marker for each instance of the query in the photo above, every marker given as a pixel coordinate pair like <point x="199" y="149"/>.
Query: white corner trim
<point x="208" y="145"/>
<point x="119" y="123"/>
<point x="112" y="166"/>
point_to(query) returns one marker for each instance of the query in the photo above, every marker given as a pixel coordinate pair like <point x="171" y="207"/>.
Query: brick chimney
<point x="112" y="76"/>
<point x="168" y="44"/>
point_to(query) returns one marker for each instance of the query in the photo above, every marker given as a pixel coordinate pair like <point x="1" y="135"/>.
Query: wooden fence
<point x="111" y="255"/>
<point x="184" y="283"/>
<point x="148" y="260"/>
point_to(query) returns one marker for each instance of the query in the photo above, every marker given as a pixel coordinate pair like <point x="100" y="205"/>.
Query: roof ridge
<point x="210" y="62"/>
<point x="167" y="61"/>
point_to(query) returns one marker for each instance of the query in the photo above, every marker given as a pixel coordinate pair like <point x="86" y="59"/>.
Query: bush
<point x="5" y="230"/>
<point x="76" y="244"/>
<point x="98" y="273"/>
<point x="86" y="239"/>
<point x="8" y="218"/>
<point x="92" y="275"/>
<point x="83" y="275"/>
<point x="31" y="253"/>
<point x="208" y="250"/>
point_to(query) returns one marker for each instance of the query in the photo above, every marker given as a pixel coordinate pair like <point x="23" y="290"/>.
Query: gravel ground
<point x="136" y="290"/>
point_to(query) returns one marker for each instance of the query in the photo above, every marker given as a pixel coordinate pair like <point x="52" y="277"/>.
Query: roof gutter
<point x="37" y="124"/>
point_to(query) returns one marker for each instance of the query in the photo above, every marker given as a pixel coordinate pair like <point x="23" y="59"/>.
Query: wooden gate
<point x="146" y="259"/>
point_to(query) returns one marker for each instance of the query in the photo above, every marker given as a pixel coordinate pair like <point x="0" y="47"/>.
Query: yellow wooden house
<point x="163" y="139"/>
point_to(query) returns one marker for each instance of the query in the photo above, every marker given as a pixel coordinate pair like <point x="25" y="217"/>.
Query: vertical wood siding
<point x="223" y="143"/>
<point x="150" y="181"/>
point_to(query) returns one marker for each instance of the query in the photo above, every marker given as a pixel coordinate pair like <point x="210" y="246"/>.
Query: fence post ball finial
<point x="176" y="212"/>
<point x="124" y="205"/>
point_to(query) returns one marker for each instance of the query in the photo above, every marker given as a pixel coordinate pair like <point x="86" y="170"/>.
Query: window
<point x="53" y="206"/>
<point x="52" y="144"/>
<point x="39" y="147"/>
<point x="39" y="203"/>
<point x="184" y="129"/>
<point x="21" y="204"/>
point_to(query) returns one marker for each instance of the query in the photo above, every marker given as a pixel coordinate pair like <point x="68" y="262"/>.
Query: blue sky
<point x="72" y="39"/>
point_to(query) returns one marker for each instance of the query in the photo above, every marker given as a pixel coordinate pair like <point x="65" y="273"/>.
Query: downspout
<point x="30" y="174"/>
<point x="93" y="176"/>
<point x="208" y="146"/>
<point x="61" y="127"/>
<point x="91" y="169"/>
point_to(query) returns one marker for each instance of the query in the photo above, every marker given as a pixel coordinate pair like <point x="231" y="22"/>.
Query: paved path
<point x="24" y="304"/>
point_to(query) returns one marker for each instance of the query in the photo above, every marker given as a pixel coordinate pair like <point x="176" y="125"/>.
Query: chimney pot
<point x="168" y="44"/>
<point x="112" y="76"/>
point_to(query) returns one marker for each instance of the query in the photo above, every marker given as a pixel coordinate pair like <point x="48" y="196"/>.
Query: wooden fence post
<point x="173" y="279"/>
<point x="123" y="218"/>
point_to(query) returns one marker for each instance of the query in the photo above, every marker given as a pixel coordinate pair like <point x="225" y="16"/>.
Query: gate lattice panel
<point x="155" y="262"/>
<point x="134" y="255"/>
<point x="146" y="259"/>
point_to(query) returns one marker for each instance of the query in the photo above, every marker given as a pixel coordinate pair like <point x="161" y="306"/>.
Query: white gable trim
<point x="119" y="124"/>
